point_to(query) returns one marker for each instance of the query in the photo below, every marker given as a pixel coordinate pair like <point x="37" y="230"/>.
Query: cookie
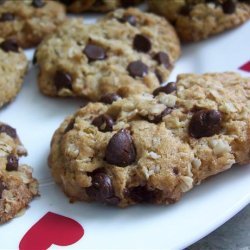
<point x="17" y="186"/>
<point x="29" y="21"/>
<point x="13" y="66"/>
<point x="195" y="20"/>
<point x="152" y="148"/>
<point x="127" y="52"/>
<point x="78" y="6"/>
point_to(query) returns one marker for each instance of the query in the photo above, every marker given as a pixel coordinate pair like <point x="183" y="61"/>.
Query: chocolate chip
<point x="121" y="149"/>
<point x="205" y="123"/>
<point x="137" y="68"/>
<point x="167" y="89"/>
<point x="66" y="2"/>
<point x="185" y="10"/>
<point x="62" y="80"/>
<point x="102" y="189"/>
<point x="176" y="170"/>
<point x="141" y="43"/>
<point x="128" y="19"/>
<point x="7" y="17"/>
<point x="109" y="98"/>
<point x="158" y="118"/>
<point x="38" y="3"/>
<point x="12" y="163"/>
<point x="127" y="3"/>
<point x="142" y="194"/>
<point x="104" y="123"/>
<point x="9" y="45"/>
<point x="94" y="52"/>
<point x="228" y="7"/>
<point x="8" y="130"/>
<point x="162" y="58"/>
<point x="2" y="187"/>
<point x="70" y="126"/>
<point x="34" y="60"/>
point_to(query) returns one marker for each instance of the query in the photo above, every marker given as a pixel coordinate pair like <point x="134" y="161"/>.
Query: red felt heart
<point x="246" y="67"/>
<point x="52" y="229"/>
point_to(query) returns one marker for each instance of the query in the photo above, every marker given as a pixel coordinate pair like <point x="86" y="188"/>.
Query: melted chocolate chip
<point x="102" y="189"/>
<point x="94" y="52"/>
<point x="121" y="149"/>
<point x="142" y="194"/>
<point x="8" y="130"/>
<point x="5" y="17"/>
<point x="9" y="45"/>
<point x="38" y="3"/>
<point x="12" y="163"/>
<point x="167" y="89"/>
<point x="162" y="58"/>
<point x="62" y="80"/>
<point x="109" y="98"/>
<point x="158" y="118"/>
<point x="141" y="43"/>
<point x="128" y="19"/>
<point x="104" y="123"/>
<point x="137" y="68"/>
<point x="2" y="187"/>
<point x="70" y="126"/>
<point x="205" y="123"/>
<point x="228" y="7"/>
<point x="185" y="10"/>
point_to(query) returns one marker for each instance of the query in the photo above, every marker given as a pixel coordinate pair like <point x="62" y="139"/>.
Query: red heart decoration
<point x="52" y="229"/>
<point x="246" y="67"/>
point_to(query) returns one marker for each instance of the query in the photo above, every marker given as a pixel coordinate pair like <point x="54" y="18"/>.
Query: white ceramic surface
<point x="140" y="227"/>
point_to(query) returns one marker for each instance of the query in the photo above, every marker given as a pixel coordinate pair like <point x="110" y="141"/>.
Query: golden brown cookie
<point x="13" y="66"/>
<point x="28" y="21"/>
<point x="195" y="20"/>
<point x="17" y="186"/>
<point x="127" y="52"/>
<point x="154" y="147"/>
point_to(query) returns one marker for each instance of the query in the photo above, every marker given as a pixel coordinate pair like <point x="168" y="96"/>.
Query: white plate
<point x="140" y="227"/>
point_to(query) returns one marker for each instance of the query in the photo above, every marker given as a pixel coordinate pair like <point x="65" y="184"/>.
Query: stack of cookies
<point x="139" y="139"/>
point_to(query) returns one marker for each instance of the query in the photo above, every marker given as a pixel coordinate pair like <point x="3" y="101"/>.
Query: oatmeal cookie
<point x="126" y="52"/>
<point x="28" y="21"/>
<point x="17" y="186"/>
<point x="13" y="66"/>
<point x="195" y="20"/>
<point x="154" y="147"/>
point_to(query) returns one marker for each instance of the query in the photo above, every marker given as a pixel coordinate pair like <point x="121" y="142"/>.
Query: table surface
<point x="233" y="235"/>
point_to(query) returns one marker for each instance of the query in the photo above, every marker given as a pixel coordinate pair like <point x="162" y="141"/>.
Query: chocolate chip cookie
<point x="154" y="147"/>
<point x="17" y="186"/>
<point x="127" y="52"/>
<point x="29" y="21"/>
<point x="198" y="19"/>
<point x="78" y="6"/>
<point x="13" y="66"/>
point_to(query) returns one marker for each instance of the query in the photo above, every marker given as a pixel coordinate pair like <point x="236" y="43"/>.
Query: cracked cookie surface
<point x="29" y="21"/>
<point x="17" y="185"/>
<point x="154" y="147"/>
<point x="126" y="52"/>
<point x="195" y="20"/>
<point x="13" y="68"/>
